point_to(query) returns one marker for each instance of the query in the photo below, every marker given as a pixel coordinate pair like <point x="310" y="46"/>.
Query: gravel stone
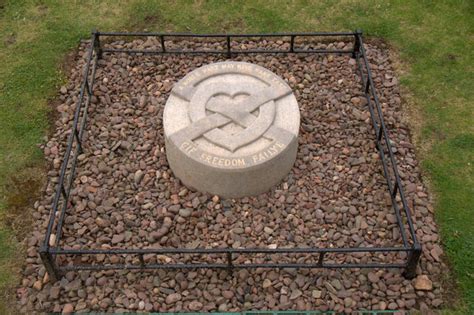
<point x="373" y="277"/>
<point x="316" y="294"/>
<point x="138" y="176"/>
<point x="423" y="283"/>
<point x="173" y="298"/>
<point x="267" y="283"/>
<point x="195" y="306"/>
<point x="68" y="308"/>
<point x="118" y="238"/>
<point x="185" y="212"/>
<point x="295" y="294"/>
<point x="38" y="285"/>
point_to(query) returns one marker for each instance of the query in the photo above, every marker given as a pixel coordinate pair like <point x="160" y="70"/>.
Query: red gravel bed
<point x="125" y="196"/>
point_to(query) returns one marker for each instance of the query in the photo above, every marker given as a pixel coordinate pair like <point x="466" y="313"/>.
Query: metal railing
<point x="50" y="249"/>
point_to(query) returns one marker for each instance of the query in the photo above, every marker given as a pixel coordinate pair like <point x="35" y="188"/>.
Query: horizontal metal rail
<point x="220" y="52"/>
<point x="62" y="190"/>
<point x="168" y="250"/>
<point x="49" y="253"/>
<point x="223" y="35"/>
<point x="379" y="146"/>
<point x="226" y="266"/>
<point x="230" y="50"/>
<point x="397" y="188"/>
<point x="78" y="151"/>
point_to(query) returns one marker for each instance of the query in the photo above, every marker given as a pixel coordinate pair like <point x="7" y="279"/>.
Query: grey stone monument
<point x="231" y="129"/>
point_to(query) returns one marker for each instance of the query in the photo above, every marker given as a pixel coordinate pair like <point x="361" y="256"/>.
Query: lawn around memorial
<point x="431" y="41"/>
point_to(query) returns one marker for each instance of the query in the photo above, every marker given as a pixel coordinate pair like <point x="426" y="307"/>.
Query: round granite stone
<point x="231" y="129"/>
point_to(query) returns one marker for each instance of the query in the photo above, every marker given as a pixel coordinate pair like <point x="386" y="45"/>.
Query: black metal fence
<point x="50" y="250"/>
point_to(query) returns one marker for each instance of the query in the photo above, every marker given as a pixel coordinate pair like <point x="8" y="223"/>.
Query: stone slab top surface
<point x="232" y="116"/>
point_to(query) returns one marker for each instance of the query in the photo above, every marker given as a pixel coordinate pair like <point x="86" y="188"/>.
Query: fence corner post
<point x="49" y="263"/>
<point x="413" y="259"/>
<point x="96" y="43"/>
<point x="356" y="50"/>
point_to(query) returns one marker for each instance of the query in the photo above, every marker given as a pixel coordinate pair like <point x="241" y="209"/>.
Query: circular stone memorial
<point x="231" y="129"/>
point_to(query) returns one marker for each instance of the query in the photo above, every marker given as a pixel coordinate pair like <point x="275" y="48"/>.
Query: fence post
<point x="162" y="41"/>
<point x="229" y="54"/>
<point x="357" y="35"/>
<point x="96" y="43"/>
<point x="230" y="266"/>
<point x="413" y="259"/>
<point x="49" y="264"/>
<point x="321" y="259"/>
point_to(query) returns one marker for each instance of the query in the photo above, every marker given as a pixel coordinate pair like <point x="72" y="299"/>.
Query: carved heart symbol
<point x="242" y="127"/>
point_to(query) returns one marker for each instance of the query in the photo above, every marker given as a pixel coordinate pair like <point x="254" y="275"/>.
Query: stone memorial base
<point x="231" y="129"/>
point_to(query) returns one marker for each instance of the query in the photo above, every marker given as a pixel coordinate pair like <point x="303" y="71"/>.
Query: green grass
<point x="434" y="40"/>
<point x="35" y="36"/>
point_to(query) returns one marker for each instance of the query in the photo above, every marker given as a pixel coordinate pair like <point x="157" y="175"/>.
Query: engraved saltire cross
<point x="240" y="113"/>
